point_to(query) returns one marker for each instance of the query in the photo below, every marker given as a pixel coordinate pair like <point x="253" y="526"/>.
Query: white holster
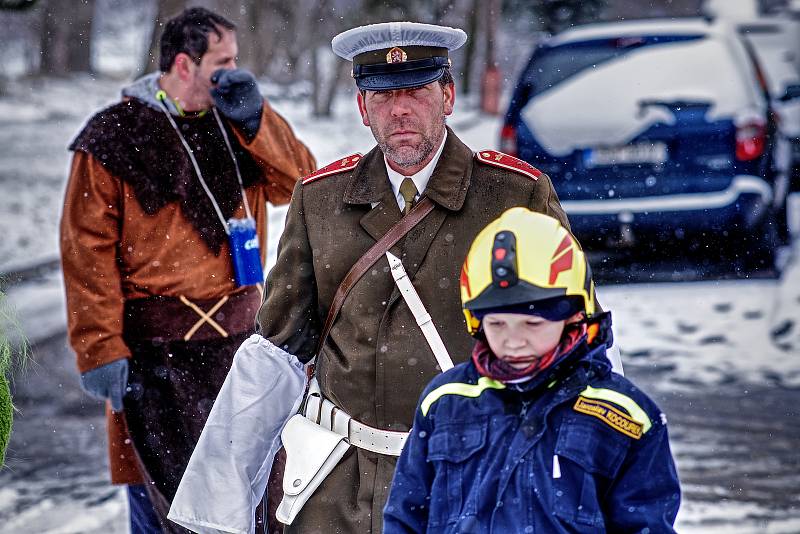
<point x="315" y="441"/>
<point x="311" y="454"/>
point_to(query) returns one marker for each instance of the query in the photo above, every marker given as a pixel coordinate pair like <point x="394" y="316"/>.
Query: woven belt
<point x="326" y="414"/>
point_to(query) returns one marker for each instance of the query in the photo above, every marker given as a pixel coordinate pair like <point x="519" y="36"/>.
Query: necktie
<point x="408" y="191"/>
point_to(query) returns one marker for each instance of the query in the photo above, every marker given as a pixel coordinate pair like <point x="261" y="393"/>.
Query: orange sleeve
<point x="90" y="234"/>
<point x="284" y="158"/>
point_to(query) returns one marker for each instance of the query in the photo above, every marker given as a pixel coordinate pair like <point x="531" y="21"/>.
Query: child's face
<point x="520" y="339"/>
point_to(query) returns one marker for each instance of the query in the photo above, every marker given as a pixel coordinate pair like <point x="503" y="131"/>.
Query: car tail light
<point x="751" y="139"/>
<point x="508" y="140"/>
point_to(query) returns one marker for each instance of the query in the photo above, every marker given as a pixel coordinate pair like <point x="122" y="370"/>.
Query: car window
<point x="609" y="102"/>
<point x="775" y="52"/>
<point x="760" y="74"/>
<point x="552" y="66"/>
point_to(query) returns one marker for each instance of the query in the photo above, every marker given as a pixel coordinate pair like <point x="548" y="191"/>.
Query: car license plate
<point x="652" y="153"/>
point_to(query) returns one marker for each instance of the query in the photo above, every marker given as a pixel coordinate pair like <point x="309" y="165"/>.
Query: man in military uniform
<point x="376" y="361"/>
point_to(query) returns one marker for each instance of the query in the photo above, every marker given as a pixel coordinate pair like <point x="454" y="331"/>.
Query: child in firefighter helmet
<point x="525" y="264"/>
<point x="534" y="432"/>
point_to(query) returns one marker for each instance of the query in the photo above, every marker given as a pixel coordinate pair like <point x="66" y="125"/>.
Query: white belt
<point x="389" y="442"/>
<point x="327" y="415"/>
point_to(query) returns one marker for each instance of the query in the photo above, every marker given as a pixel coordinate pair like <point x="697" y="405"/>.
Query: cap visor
<point x="400" y="80"/>
<point x="554" y="309"/>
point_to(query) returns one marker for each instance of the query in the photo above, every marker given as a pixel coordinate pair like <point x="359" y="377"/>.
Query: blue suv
<point x="655" y="128"/>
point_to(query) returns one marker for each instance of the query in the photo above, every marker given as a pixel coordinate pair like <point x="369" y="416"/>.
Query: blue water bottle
<point x="245" y="252"/>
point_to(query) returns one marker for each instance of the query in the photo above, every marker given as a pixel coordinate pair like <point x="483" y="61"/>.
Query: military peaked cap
<point x="397" y="55"/>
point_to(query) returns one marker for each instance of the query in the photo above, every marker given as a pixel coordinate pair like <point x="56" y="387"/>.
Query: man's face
<point x="221" y="54"/>
<point x="408" y="124"/>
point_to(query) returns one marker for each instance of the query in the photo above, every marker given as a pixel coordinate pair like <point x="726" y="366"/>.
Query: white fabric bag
<point x="229" y="468"/>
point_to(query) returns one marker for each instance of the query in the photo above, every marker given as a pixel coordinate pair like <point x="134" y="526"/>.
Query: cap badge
<point x="396" y="55"/>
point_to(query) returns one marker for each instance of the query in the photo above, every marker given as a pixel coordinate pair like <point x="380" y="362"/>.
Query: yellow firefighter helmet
<point x="525" y="262"/>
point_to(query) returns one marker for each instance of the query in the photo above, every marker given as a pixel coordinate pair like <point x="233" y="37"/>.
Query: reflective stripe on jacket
<point x="587" y="453"/>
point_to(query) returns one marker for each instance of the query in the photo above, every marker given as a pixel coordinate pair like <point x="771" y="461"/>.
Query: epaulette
<point x="339" y="166"/>
<point x="498" y="159"/>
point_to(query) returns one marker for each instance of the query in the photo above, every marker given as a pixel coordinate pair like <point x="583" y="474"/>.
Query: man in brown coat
<point x="155" y="308"/>
<point x="376" y="361"/>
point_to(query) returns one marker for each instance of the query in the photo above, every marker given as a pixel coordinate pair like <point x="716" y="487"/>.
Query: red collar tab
<point x="498" y="159"/>
<point x="337" y="167"/>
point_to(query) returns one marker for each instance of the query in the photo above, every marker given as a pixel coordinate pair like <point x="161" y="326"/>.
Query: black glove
<point x="237" y="97"/>
<point x="108" y="381"/>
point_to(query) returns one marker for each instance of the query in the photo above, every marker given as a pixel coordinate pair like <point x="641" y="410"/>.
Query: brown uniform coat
<point x="376" y="362"/>
<point x="113" y="250"/>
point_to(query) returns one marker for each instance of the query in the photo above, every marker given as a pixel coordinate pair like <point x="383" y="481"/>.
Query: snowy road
<point x="56" y="478"/>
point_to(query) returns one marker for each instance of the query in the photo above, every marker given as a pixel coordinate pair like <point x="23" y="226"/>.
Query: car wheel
<point x="755" y="251"/>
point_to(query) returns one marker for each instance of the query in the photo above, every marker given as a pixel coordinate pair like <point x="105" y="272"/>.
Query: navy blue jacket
<point x="578" y="449"/>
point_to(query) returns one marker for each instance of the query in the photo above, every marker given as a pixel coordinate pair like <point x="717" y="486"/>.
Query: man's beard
<point x="410" y="156"/>
<point x="201" y="96"/>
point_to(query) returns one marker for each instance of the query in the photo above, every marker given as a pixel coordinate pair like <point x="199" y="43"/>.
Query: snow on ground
<point x="80" y="518"/>
<point x="714" y="332"/>
<point x="731" y="518"/>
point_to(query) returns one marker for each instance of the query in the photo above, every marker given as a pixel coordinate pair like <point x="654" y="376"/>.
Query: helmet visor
<point x="553" y="309"/>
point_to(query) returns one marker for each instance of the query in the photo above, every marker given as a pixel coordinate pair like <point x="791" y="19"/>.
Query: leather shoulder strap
<point x="376" y="251"/>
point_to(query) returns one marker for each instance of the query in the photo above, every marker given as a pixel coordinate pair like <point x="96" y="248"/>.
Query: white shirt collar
<point x="420" y="179"/>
